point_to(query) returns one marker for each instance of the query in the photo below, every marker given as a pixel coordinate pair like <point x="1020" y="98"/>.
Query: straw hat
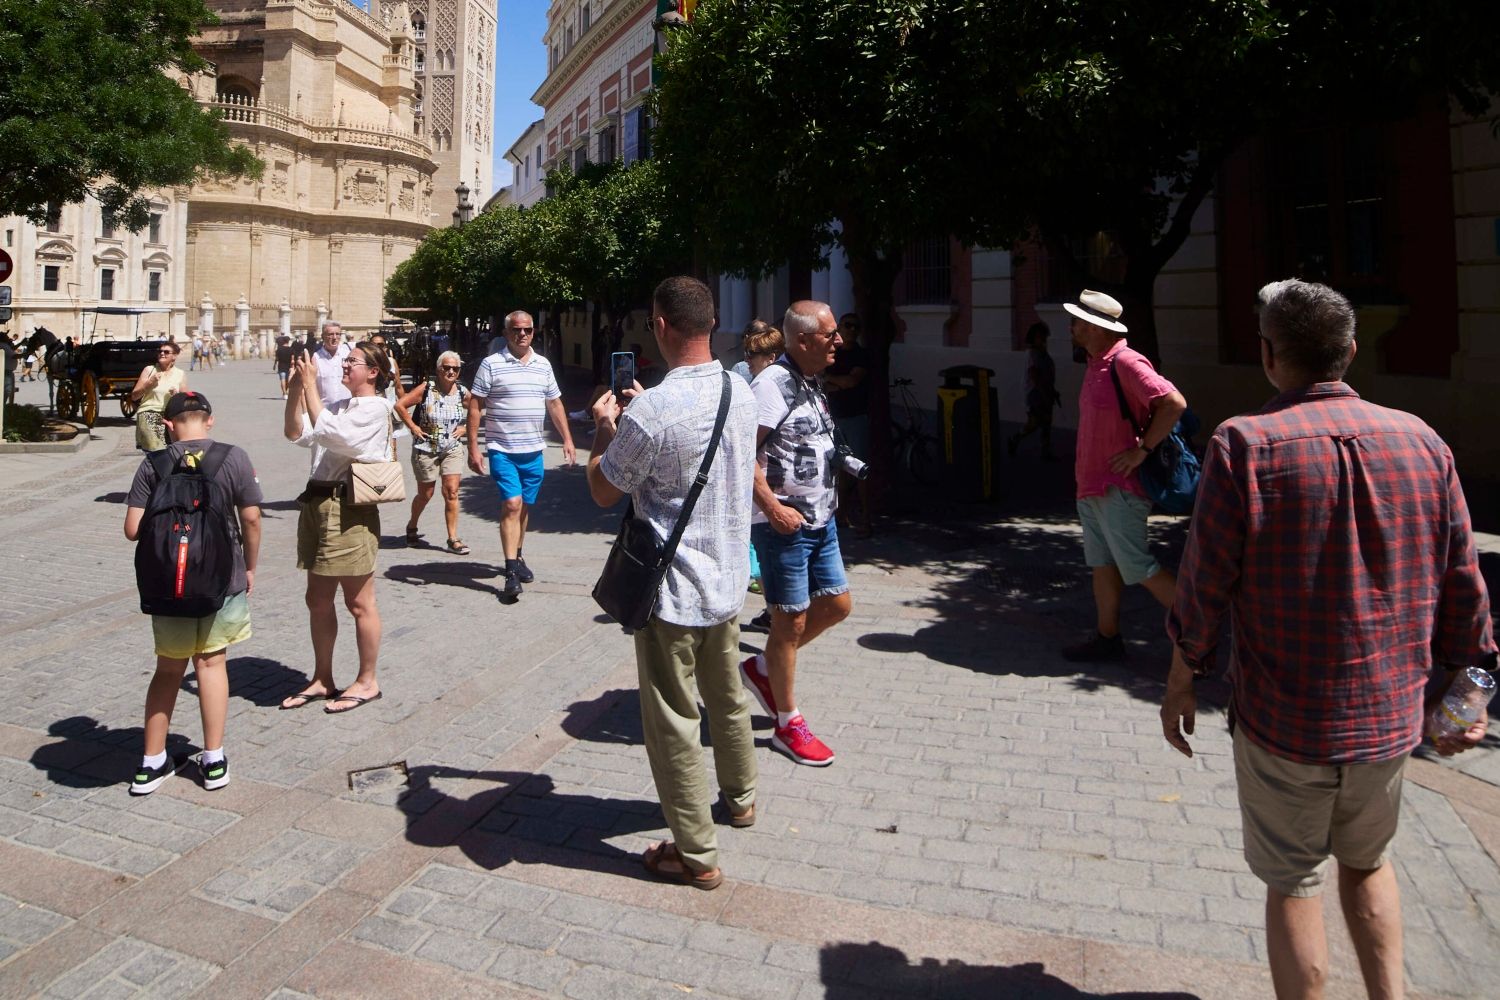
<point x="1098" y="309"/>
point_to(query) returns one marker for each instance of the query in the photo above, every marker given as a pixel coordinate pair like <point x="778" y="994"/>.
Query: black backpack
<point x="185" y="552"/>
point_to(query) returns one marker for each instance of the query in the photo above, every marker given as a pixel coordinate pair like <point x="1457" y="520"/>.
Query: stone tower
<point x="455" y="103"/>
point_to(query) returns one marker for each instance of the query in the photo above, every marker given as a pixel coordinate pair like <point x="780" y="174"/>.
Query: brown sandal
<point x="663" y="861"/>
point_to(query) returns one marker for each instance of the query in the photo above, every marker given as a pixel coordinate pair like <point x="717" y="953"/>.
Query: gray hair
<point x="803" y="318"/>
<point x="333" y="323"/>
<point x="510" y="317"/>
<point x="449" y="354"/>
<point x="1310" y="327"/>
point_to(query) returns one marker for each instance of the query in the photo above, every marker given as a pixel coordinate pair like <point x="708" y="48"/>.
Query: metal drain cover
<point x="379" y="778"/>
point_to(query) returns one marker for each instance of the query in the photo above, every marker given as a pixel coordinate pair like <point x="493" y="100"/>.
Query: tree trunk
<point x="874" y="279"/>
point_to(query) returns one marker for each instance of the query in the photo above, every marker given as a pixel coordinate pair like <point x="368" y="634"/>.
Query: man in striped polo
<point x="516" y="391"/>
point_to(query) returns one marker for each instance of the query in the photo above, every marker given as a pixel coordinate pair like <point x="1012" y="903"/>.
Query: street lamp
<point x="465" y="210"/>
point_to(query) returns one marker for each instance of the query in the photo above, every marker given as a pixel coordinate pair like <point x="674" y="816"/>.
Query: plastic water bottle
<point x="1461" y="706"/>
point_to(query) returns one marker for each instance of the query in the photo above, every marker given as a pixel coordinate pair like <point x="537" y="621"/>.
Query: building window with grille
<point x="54" y="217"/>
<point x="154" y="229"/>
<point x="108" y="228"/>
<point x="106" y="283"/>
<point x="418" y="27"/>
<point x="927" y="272"/>
<point x="153" y="286"/>
<point x="608" y="144"/>
<point x="421" y="61"/>
<point x="51" y="277"/>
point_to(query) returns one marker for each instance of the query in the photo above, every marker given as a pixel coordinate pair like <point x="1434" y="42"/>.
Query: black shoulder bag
<point x="629" y="583"/>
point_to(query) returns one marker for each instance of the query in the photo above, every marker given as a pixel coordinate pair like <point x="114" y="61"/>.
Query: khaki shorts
<point x="184" y="638"/>
<point x="428" y="468"/>
<point x="1296" y="815"/>
<point x="335" y="539"/>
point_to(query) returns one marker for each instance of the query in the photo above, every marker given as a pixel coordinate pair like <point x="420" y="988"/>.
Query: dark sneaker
<point x="215" y="775"/>
<point x="149" y="779"/>
<point x="1099" y="649"/>
<point x="523" y="571"/>
<point x="511" y="592"/>
<point x="760" y="623"/>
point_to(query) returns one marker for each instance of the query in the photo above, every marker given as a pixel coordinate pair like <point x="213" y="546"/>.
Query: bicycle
<point x="912" y="447"/>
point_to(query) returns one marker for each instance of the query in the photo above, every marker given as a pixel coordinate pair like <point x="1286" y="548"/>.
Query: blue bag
<point x="1170" y="472"/>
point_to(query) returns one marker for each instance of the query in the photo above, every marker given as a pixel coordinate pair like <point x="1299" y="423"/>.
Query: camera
<point x="844" y="460"/>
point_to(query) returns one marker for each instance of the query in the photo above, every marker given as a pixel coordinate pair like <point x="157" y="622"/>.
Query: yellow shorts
<point x="184" y="638"/>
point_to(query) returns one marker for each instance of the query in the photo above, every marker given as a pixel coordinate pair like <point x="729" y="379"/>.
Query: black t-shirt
<point x="853" y="402"/>
<point x="9" y="350"/>
<point x="284" y="355"/>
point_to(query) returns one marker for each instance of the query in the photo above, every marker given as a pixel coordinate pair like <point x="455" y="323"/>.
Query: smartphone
<point x="622" y="373"/>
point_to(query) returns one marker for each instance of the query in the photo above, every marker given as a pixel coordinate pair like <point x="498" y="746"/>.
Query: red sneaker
<point x="759" y="685"/>
<point x="797" y="742"/>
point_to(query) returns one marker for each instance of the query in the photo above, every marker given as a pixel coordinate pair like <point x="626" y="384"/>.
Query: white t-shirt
<point x="331" y="387"/>
<point x="798" y="457"/>
<point x="356" y="428"/>
<point x="662" y="438"/>
<point x="515" y="394"/>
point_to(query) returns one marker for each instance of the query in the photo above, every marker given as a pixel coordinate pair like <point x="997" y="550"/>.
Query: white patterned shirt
<point x="515" y="394"/>
<point x="353" y="429"/>
<point x="654" y="457"/>
<point x="799" y="455"/>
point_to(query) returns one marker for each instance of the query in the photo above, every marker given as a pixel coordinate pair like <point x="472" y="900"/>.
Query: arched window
<point x="236" y="90"/>
<point x="418" y="27"/>
<point x="421" y="63"/>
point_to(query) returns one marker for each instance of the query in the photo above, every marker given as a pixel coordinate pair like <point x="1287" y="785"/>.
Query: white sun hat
<point x="1098" y="309"/>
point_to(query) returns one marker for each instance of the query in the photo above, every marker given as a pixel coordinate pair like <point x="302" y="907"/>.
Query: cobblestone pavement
<point x="997" y="824"/>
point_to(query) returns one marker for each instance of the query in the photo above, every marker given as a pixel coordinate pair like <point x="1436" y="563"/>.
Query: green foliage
<point x="24" y="423"/>
<point x="87" y="105"/>
<point x="606" y="235"/>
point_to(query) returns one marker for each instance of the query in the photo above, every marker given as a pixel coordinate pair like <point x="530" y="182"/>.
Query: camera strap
<point x="816" y="395"/>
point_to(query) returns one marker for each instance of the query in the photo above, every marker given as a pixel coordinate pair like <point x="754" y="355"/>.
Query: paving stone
<point x="728" y="942"/>
<point x="388" y="933"/>
<point x="458" y="950"/>
<point x="531" y="968"/>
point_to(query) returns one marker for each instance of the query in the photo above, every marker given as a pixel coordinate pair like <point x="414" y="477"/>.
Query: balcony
<point x="243" y="111"/>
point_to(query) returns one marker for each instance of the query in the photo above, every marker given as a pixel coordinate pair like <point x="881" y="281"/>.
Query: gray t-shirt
<point x="799" y="455"/>
<point x="662" y="438"/>
<point x="236" y="475"/>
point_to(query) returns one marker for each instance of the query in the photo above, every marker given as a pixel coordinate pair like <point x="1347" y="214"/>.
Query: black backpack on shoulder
<point x="184" y="554"/>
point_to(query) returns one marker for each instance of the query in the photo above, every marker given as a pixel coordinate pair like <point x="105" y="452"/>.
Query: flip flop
<point x="358" y="701"/>
<point x="658" y="856"/>
<point x="306" y="699"/>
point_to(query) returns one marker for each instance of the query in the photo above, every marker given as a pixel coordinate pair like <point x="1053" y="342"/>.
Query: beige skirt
<point x="150" y="430"/>
<point x="335" y="539"/>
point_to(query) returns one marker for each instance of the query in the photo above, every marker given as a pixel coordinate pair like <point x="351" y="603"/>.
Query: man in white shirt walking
<point x="516" y="392"/>
<point x="328" y="360"/>
<point x="652" y="452"/>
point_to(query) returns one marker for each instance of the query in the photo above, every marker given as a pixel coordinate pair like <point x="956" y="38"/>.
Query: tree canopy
<point x="788" y="126"/>
<point x="87" y="105"/>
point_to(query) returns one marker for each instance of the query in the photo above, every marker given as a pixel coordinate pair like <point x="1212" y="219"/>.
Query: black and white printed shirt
<point x="798" y="455"/>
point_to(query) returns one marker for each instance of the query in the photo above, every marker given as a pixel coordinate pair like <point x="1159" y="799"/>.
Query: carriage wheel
<point x="128" y="407"/>
<point x="90" y="399"/>
<point x="67" y="399"/>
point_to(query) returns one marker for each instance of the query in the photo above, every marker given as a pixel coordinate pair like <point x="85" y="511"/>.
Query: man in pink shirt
<point x="1111" y="502"/>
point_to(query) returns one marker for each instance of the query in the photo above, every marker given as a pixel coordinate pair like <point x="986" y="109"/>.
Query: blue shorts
<point x="518" y="475"/>
<point x="798" y="567"/>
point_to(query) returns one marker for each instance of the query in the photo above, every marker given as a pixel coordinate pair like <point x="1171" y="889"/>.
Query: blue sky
<point x="521" y="66"/>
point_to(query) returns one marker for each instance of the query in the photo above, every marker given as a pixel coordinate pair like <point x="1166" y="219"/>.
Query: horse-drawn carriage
<point x="81" y="375"/>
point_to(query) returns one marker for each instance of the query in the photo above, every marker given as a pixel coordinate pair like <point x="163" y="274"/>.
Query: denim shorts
<point x="518" y="475"/>
<point x="798" y="567"/>
<point x="1114" y="534"/>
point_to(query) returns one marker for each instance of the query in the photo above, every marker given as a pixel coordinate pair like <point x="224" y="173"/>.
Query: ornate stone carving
<point x="335" y="246"/>
<point x="441" y="112"/>
<point x="364" y="187"/>
<point x="407" y="199"/>
<point x="280" y="177"/>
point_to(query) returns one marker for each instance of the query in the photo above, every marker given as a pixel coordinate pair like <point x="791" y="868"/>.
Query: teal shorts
<point x="1114" y="534"/>
<point x="184" y="638"/>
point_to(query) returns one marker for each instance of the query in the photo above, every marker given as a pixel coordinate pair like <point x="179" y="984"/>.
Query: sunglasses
<point x="455" y="369"/>
<point x="166" y="350"/>
<point x="522" y="329"/>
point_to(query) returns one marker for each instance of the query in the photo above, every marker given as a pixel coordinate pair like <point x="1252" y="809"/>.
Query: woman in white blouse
<point x="337" y="543"/>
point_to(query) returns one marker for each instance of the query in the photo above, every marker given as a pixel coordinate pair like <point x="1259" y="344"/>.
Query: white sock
<point x="211" y="756"/>
<point x="154" y="759"/>
<point x="760" y="665"/>
<point x="784" y="719"/>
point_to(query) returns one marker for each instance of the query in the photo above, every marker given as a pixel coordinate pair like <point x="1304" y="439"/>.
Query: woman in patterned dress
<point x="435" y="412"/>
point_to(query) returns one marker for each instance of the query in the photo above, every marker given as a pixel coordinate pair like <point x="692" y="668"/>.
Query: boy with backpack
<point x="195" y="567"/>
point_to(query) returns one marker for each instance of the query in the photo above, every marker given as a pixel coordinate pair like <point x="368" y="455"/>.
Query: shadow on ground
<point x="502" y="817"/>
<point x="875" y="971"/>
<point x="92" y="755"/>
<point x="563" y="506"/>
<point x="447" y="573"/>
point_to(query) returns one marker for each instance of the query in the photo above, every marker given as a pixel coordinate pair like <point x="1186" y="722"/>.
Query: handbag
<point x="370" y="483"/>
<point x="630" y="582"/>
<point x="1169" y="475"/>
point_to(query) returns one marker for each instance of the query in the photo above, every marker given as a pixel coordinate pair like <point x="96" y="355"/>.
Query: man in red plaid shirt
<point x="1336" y="532"/>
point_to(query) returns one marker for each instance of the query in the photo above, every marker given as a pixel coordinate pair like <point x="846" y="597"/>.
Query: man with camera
<point x="794" y="530"/>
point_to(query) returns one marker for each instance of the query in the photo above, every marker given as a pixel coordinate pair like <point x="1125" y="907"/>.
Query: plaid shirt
<point x="1336" y="532"/>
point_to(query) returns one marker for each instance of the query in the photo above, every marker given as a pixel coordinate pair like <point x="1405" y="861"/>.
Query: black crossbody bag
<point x="629" y="583"/>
